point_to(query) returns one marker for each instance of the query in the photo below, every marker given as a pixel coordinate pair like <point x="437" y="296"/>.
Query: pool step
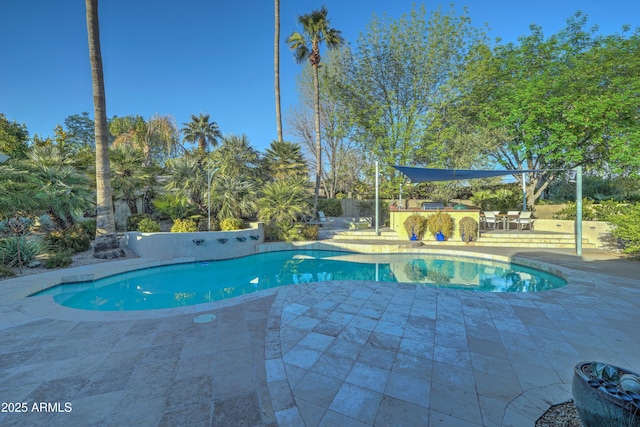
<point x="529" y="239"/>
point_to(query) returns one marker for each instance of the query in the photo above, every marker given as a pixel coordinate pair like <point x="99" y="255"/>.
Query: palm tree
<point x="276" y="67"/>
<point x="233" y="198"/>
<point x="160" y="132"/>
<point x="285" y="160"/>
<point x="200" y="130"/>
<point x="106" y="244"/>
<point x="128" y="177"/>
<point x="306" y="45"/>
<point x="188" y="179"/>
<point x="236" y="158"/>
<point x="282" y="203"/>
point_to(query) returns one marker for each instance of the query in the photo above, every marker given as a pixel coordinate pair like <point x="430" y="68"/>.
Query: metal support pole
<point x="377" y="199"/>
<point x="524" y="191"/>
<point x="400" y="200"/>
<point x="578" y="210"/>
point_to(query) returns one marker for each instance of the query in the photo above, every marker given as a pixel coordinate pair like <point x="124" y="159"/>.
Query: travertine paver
<point x="322" y="354"/>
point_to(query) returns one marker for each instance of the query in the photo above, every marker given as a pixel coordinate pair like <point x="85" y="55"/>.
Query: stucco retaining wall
<point x="201" y="245"/>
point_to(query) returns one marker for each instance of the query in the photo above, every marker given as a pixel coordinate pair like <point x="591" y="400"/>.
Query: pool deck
<point x="322" y="354"/>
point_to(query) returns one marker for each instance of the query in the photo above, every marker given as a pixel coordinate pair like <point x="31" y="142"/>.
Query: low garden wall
<point x="398" y="217"/>
<point x="596" y="232"/>
<point x="200" y="245"/>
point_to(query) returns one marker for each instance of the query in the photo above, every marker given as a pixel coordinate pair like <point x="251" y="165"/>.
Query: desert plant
<point x="441" y="222"/>
<point x="148" y="225"/>
<point x="309" y="232"/>
<point x="74" y="239"/>
<point x="213" y="226"/>
<point x="228" y="224"/>
<point x="416" y="224"/>
<point x="58" y="259"/>
<point x="89" y="227"/>
<point x="183" y="226"/>
<point x="468" y="229"/>
<point x="6" y="272"/>
<point x="134" y="220"/>
<point x="174" y="206"/>
<point x="18" y="250"/>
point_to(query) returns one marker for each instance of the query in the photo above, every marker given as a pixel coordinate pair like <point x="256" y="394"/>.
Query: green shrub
<point x="6" y="272"/>
<point x="89" y="227"/>
<point x="441" y="222"/>
<point x="228" y="224"/>
<point x="287" y="231"/>
<point x="183" y="226"/>
<point x="148" y="225"/>
<point x="202" y="225"/>
<point x="58" y="259"/>
<point x="29" y="249"/>
<point x="175" y="207"/>
<point x="330" y="207"/>
<point x="134" y="220"/>
<point x="309" y="232"/>
<point x="417" y="224"/>
<point x="74" y="239"/>
<point x="468" y="229"/>
<point x="626" y="227"/>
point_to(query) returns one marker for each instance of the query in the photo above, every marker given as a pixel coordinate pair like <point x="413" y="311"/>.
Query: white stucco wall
<point x="200" y="246"/>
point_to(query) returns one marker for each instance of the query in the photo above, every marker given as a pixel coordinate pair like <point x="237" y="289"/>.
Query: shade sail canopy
<point x="429" y="174"/>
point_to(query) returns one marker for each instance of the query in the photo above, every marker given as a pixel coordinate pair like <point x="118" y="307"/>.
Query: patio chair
<point x="322" y="219"/>
<point x="524" y="219"/>
<point x="512" y="218"/>
<point x="490" y="220"/>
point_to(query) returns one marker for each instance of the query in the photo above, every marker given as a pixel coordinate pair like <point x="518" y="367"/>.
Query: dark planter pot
<point x="440" y="237"/>
<point x="600" y="404"/>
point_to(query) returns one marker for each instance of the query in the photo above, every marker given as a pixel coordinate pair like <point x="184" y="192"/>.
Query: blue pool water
<point x="200" y="282"/>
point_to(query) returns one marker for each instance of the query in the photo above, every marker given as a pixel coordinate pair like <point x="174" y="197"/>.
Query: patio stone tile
<point x="408" y="389"/>
<point x="416" y="348"/>
<point x="305" y="323"/>
<point x="355" y="334"/>
<point x="491" y="365"/>
<point x="334" y="419"/>
<point x="333" y="366"/>
<point x="531" y="376"/>
<point x="363" y="322"/>
<point x="241" y="410"/>
<point x="492" y="410"/>
<point x="234" y="359"/>
<point x="356" y="402"/>
<point x="231" y="382"/>
<point x="497" y="386"/>
<point x="60" y="390"/>
<point x="455" y="402"/>
<point x="280" y="394"/>
<point x="390" y="328"/>
<point x="329" y="328"/>
<point x="487" y="348"/>
<point x="413" y="366"/>
<point x="275" y="370"/>
<point x="453" y="376"/>
<point x="438" y="419"/>
<point x="289" y="417"/>
<point x="310" y="413"/>
<point x="369" y="377"/>
<point x="190" y="391"/>
<point x="129" y="409"/>
<point x="317" y="388"/>
<point x="341" y="318"/>
<point x="453" y="356"/>
<point x="377" y="357"/>
<point x="399" y="413"/>
<point x="107" y="381"/>
<point x="302" y="357"/>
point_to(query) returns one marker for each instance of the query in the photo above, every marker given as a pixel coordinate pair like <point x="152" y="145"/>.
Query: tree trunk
<point x="133" y="206"/>
<point x="106" y="245"/>
<point x="316" y="85"/>
<point x="276" y="68"/>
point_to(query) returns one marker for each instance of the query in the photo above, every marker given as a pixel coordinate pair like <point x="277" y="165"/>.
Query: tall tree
<point x="306" y="46"/>
<point x="276" y="67"/>
<point x="558" y="102"/>
<point x="394" y="78"/>
<point x="201" y="131"/>
<point x="106" y="244"/>
<point x="129" y="177"/>
<point x="14" y="138"/>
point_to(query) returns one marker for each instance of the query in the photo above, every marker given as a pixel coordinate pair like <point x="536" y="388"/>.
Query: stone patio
<point x="329" y="353"/>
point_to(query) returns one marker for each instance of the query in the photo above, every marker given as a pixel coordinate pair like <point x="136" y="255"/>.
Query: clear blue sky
<point x="191" y="56"/>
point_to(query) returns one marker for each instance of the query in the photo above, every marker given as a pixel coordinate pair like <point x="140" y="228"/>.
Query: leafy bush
<point x="569" y="212"/>
<point x="148" y="225"/>
<point x="134" y="220"/>
<point x="627" y="229"/>
<point x="309" y="232"/>
<point x="89" y="227"/>
<point x="287" y="231"/>
<point x="9" y="247"/>
<point x="441" y="222"/>
<point x="417" y="224"/>
<point x="44" y="223"/>
<point x="183" y="226"/>
<point x="231" y="224"/>
<point x="330" y="207"/>
<point x="202" y="224"/>
<point x="58" y="259"/>
<point x="175" y="207"/>
<point x="74" y="239"/>
<point x="468" y="229"/>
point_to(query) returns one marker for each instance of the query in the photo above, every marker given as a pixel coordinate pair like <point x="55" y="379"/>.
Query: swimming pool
<point x="200" y="282"/>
